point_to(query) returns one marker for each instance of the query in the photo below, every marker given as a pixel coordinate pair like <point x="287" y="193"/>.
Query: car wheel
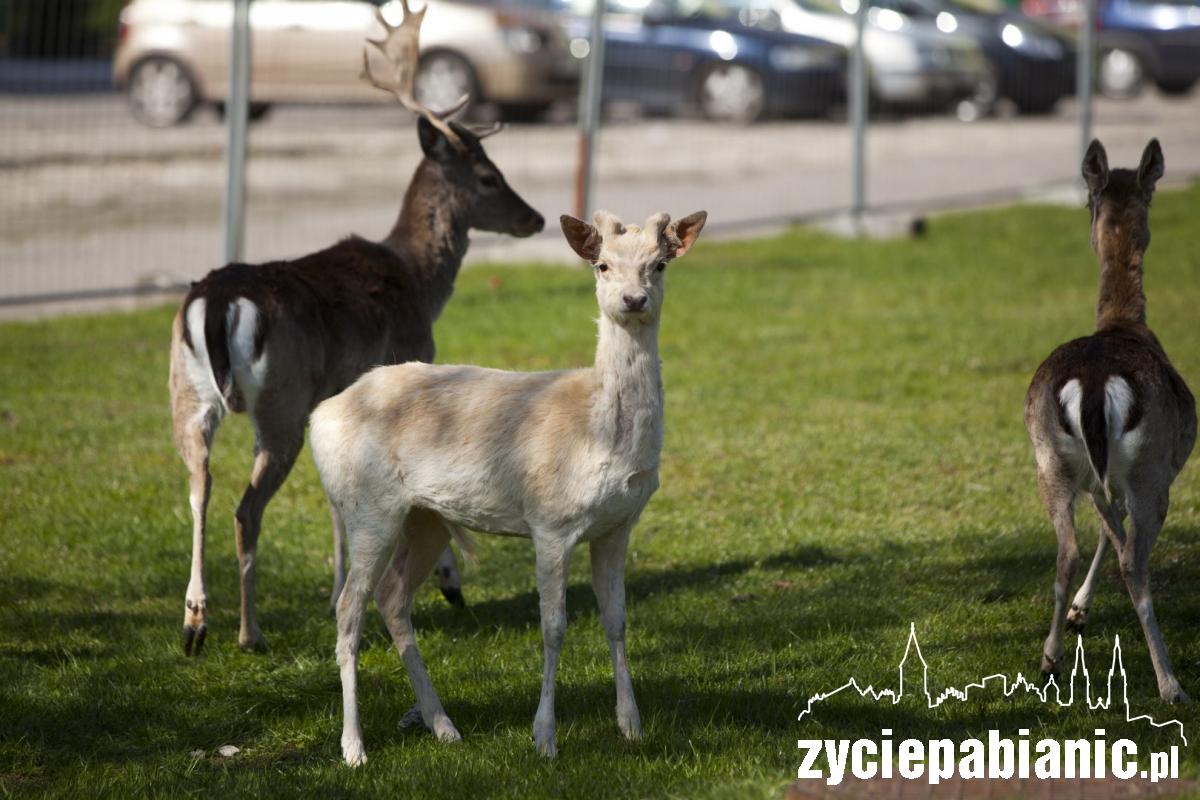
<point x="442" y="78"/>
<point x="1121" y="73"/>
<point x="1177" y="86"/>
<point x="982" y="101"/>
<point x="730" y="92"/>
<point x="161" y="92"/>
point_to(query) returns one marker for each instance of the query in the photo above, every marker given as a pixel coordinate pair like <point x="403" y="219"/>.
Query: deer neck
<point x="430" y="235"/>
<point x="1122" y="300"/>
<point x="627" y="414"/>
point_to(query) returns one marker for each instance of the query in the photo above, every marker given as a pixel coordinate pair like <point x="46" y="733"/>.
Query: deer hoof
<point x="1049" y="667"/>
<point x="252" y="642"/>
<point x="413" y="719"/>
<point x="1077" y="619"/>
<point x="454" y="596"/>
<point x="193" y="639"/>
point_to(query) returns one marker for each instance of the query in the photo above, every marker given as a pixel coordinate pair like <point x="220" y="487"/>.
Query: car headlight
<point x="791" y="58"/>
<point x="1029" y="42"/>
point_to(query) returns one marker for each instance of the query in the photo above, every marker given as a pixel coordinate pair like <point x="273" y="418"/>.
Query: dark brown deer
<point x="1109" y="416"/>
<point x="274" y="340"/>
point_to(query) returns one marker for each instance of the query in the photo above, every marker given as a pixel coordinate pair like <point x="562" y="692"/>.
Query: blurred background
<point x="113" y="146"/>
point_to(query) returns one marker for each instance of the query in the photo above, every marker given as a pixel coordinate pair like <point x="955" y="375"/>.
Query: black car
<point x="733" y="66"/>
<point x="1033" y="63"/>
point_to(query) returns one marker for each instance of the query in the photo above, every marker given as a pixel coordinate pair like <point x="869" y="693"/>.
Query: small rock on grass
<point x="228" y="750"/>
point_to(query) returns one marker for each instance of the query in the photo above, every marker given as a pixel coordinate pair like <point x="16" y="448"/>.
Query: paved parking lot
<point x="93" y="200"/>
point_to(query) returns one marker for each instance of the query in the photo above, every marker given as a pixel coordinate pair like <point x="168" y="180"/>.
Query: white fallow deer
<point x="1110" y="417"/>
<point x="275" y="339"/>
<point x="410" y="452"/>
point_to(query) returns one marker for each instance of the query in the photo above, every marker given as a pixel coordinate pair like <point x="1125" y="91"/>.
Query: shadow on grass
<point x="117" y="712"/>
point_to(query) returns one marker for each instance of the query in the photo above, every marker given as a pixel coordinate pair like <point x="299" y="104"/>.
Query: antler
<point x="401" y="48"/>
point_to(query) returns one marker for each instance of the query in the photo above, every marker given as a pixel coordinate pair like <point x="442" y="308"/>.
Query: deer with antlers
<point x="273" y="340"/>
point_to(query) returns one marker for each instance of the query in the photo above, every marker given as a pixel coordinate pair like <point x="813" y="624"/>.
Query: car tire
<point x="444" y="77"/>
<point x="161" y="92"/>
<point x="1176" y="86"/>
<point x="1120" y="73"/>
<point x="731" y="92"/>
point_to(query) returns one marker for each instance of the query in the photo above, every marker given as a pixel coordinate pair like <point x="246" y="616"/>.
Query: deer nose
<point x="634" y="302"/>
<point x="536" y="222"/>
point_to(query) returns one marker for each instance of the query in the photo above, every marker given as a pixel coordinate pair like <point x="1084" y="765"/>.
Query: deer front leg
<point x="553" y="563"/>
<point x="608" y="582"/>
<point x="1078" y="615"/>
<point x="449" y="578"/>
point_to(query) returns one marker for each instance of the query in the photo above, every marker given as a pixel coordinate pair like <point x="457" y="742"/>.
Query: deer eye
<point x="490" y="181"/>
<point x="660" y="266"/>
<point x="602" y="267"/>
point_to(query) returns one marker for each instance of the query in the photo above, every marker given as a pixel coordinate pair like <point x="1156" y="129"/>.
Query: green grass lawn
<point x="845" y="455"/>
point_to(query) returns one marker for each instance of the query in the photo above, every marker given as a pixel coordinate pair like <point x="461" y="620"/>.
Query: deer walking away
<point x="1110" y="418"/>
<point x="273" y="340"/>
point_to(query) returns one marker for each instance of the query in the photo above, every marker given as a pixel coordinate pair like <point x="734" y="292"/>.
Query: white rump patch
<point x="195" y="359"/>
<point x="1118" y="399"/>
<point x="241" y="323"/>
<point x="1071" y="398"/>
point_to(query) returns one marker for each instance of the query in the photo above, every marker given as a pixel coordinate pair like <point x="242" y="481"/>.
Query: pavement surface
<point x="94" y="202"/>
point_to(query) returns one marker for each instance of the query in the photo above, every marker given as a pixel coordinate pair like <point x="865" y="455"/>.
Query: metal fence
<point x="927" y="113"/>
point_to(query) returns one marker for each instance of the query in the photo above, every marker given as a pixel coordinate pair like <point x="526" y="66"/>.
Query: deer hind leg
<point x="277" y="444"/>
<point x="339" y="558"/>
<point x="197" y="411"/>
<point x="372" y="537"/>
<point x="1146" y="515"/>
<point x="425" y="539"/>
<point x="1059" y="499"/>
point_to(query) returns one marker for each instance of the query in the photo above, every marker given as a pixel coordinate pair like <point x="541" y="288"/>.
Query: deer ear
<point x="583" y="238"/>
<point x="1151" y="168"/>
<point x="434" y="143"/>
<point x="1095" y="167"/>
<point x="682" y="233"/>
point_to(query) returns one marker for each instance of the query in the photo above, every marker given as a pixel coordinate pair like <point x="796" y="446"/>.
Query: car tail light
<point x="123" y="25"/>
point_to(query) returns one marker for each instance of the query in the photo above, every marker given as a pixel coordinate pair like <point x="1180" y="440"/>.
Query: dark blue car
<point x="668" y="56"/>
<point x="1140" y="41"/>
<point x="1032" y="63"/>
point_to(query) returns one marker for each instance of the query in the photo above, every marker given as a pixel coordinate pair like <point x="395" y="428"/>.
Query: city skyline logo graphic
<point x="1050" y="692"/>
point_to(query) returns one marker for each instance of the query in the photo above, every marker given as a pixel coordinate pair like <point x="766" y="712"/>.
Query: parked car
<point x="670" y="54"/>
<point x="911" y="62"/>
<point x="1033" y="63"/>
<point x="1141" y="41"/>
<point x="173" y="55"/>
<point x="1138" y="41"/>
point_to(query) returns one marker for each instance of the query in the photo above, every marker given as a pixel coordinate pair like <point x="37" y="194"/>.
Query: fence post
<point x="857" y="92"/>
<point x="1085" y="65"/>
<point x="237" y="112"/>
<point x="591" y="91"/>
